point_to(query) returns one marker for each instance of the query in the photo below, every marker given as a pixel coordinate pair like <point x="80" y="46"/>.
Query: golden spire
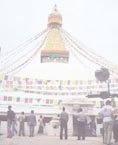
<point x="54" y="49"/>
<point x="55" y="18"/>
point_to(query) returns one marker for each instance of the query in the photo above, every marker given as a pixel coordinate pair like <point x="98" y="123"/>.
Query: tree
<point x="102" y="75"/>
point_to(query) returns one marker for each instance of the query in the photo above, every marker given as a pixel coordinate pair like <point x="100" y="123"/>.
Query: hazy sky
<point x="92" y="22"/>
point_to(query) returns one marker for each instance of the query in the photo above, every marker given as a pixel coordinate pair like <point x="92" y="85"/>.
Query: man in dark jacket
<point x="10" y="121"/>
<point x="63" y="123"/>
<point x="32" y="123"/>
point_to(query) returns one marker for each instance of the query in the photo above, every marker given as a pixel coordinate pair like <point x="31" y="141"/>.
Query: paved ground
<point x="49" y="140"/>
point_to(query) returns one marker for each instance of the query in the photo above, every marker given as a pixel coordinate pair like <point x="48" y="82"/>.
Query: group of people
<point x="61" y="119"/>
<point x="110" y="122"/>
<point x="107" y="114"/>
<point x="31" y="122"/>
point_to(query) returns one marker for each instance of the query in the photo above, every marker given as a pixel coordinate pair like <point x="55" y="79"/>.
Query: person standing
<point x="81" y="124"/>
<point x="93" y="126"/>
<point x="63" y="123"/>
<point x="21" y="120"/>
<point x="10" y="122"/>
<point x="14" y="127"/>
<point x="41" y="124"/>
<point x="106" y="113"/>
<point x="31" y="123"/>
<point x="115" y="129"/>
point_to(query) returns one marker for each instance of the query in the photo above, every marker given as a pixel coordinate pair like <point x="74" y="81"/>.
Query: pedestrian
<point x="10" y="122"/>
<point x="115" y="129"/>
<point x="81" y="124"/>
<point x="64" y="123"/>
<point x="14" y="125"/>
<point x="106" y="113"/>
<point x="93" y="126"/>
<point x="21" y="120"/>
<point x="41" y="124"/>
<point x="31" y="123"/>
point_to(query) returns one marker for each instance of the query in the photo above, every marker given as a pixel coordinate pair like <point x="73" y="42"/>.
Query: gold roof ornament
<point x="54" y="49"/>
<point x="55" y="18"/>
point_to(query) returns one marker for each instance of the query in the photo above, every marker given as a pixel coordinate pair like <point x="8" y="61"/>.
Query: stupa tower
<point x="54" y="49"/>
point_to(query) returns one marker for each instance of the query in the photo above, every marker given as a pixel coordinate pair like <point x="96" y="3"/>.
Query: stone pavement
<point x="49" y="140"/>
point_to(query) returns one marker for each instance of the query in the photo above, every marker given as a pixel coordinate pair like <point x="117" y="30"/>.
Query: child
<point x="41" y="125"/>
